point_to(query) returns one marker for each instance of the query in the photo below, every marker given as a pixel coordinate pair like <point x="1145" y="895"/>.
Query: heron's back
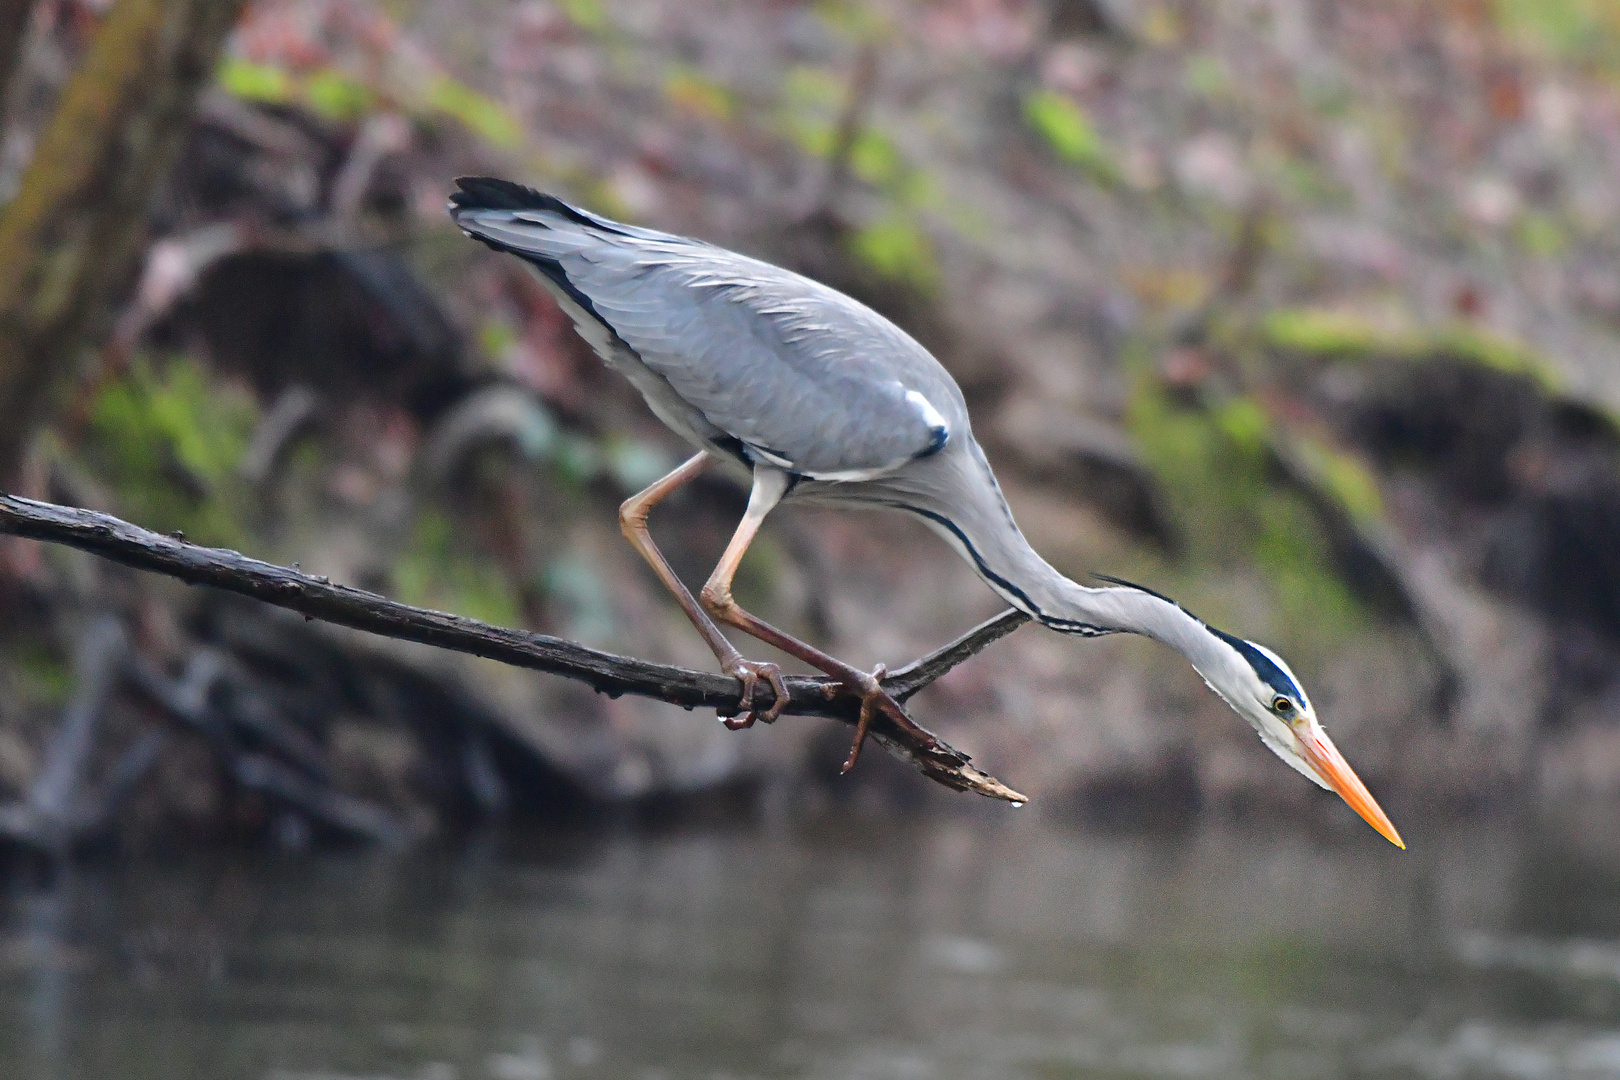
<point x="800" y="375"/>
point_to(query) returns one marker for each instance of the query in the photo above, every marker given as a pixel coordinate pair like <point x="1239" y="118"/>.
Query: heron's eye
<point x="1282" y="706"/>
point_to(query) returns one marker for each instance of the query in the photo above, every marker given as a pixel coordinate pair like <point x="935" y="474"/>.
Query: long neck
<point x="977" y="522"/>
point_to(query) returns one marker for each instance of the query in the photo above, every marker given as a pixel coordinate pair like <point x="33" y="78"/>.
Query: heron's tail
<point x="511" y="217"/>
<point x="477" y="193"/>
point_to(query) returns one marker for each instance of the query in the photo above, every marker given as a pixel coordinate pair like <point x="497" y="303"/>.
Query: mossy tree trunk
<point x="70" y="239"/>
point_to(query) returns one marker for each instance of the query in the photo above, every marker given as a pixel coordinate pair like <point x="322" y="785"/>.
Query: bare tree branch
<point x="318" y="598"/>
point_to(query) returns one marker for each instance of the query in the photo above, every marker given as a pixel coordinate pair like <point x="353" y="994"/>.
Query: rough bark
<point x="71" y="237"/>
<point x="317" y="598"/>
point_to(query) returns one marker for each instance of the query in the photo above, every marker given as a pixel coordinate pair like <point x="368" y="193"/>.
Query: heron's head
<point x="1258" y="684"/>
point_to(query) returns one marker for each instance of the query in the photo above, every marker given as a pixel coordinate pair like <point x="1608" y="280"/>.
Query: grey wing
<point x="804" y="377"/>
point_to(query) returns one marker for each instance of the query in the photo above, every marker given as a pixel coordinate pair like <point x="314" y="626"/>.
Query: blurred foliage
<point x="1069" y="132"/>
<point x="440" y="568"/>
<point x="483" y="116"/>
<point x="585" y="14"/>
<point x="896" y="248"/>
<point x="1216" y="468"/>
<point x="340" y="97"/>
<point x="856" y="20"/>
<point x="38" y="673"/>
<point x="686" y="88"/>
<point x="1540" y="235"/>
<point x="573" y="582"/>
<point x="1338" y="335"/>
<point x="1206" y="76"/>
<point x="1343" y="478"/>
<point x="168" y="439"/>
<point x="1580" y="31"/>
<point x="895" y="245"/>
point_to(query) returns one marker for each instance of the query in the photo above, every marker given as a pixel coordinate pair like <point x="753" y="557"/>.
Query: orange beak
<point x="1320" y="753"/>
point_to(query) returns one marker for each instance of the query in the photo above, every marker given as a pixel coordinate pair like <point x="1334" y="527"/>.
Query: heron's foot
<point x="875" y="699"/>
<point x="749" y="672"/>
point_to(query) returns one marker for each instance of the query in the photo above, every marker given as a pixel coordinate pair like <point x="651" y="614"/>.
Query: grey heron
<point x="818" y="399"/>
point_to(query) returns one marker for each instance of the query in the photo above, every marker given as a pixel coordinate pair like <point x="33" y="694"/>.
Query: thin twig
<point x="317" y="598"/>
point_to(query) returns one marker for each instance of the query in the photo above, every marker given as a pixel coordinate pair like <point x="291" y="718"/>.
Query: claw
<point x="873" y="698"/>
<point x="748" y="673"/>
<point x="868" y="703"/>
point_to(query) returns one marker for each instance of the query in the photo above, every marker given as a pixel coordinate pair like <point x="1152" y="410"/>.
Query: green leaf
<point x="690" y="90"/>
<point x="480" y="114"/>
<point x="585" y="14"/>
<point x="1069" y="132"/>
<point x="874" y="158"/>
<point x="897" y="249"/>
<point x="337" y="96"/>
<point x="255" y="82"/>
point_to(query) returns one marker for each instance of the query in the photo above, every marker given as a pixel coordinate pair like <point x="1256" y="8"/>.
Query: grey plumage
<point x="824" y="400"/>
<point x="728" y="349"/>
<point x="774" y="370"/>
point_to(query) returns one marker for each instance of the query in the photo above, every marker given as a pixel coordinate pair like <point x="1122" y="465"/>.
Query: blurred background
<point x="1305" y="312"/>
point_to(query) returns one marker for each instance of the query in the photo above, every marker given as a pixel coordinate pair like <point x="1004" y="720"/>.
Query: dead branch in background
<point x="71" y="237"/>
<point x="318" y="598"/>
<point x="851" y="119"/>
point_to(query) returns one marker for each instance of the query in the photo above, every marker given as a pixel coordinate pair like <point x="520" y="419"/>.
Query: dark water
<point x="1009" y="947"/>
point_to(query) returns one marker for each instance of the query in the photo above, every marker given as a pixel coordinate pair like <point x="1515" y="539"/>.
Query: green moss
<point x="1344" y="479"/>
<point x="1245" y="425"/>
<point x="1215" y="468"/>
<point x="167" y="439"/>
<point x="440" y="570"/>
<point x="1324" y="333"/>
<point x="1335" y="335"/>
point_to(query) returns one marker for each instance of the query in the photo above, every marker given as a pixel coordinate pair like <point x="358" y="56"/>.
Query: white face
<point x="1255" y="681"/>
<point x="1284" y="718"/>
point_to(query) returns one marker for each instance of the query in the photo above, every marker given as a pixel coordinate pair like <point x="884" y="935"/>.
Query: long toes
<point x="880" y="699"/>
<point x="773" y="675"/>
<point x="867" y="704"/>
<point x="747" y="676"/>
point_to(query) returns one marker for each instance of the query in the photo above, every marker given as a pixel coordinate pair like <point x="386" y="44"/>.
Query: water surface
<point x="1009" y="946"/>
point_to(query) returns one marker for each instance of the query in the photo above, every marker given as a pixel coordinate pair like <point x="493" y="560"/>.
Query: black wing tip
<point x="493" y="193"/>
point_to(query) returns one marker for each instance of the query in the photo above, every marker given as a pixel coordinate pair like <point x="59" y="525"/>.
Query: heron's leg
<point x="769" y="487"/>
<point x="633" y="521"/>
